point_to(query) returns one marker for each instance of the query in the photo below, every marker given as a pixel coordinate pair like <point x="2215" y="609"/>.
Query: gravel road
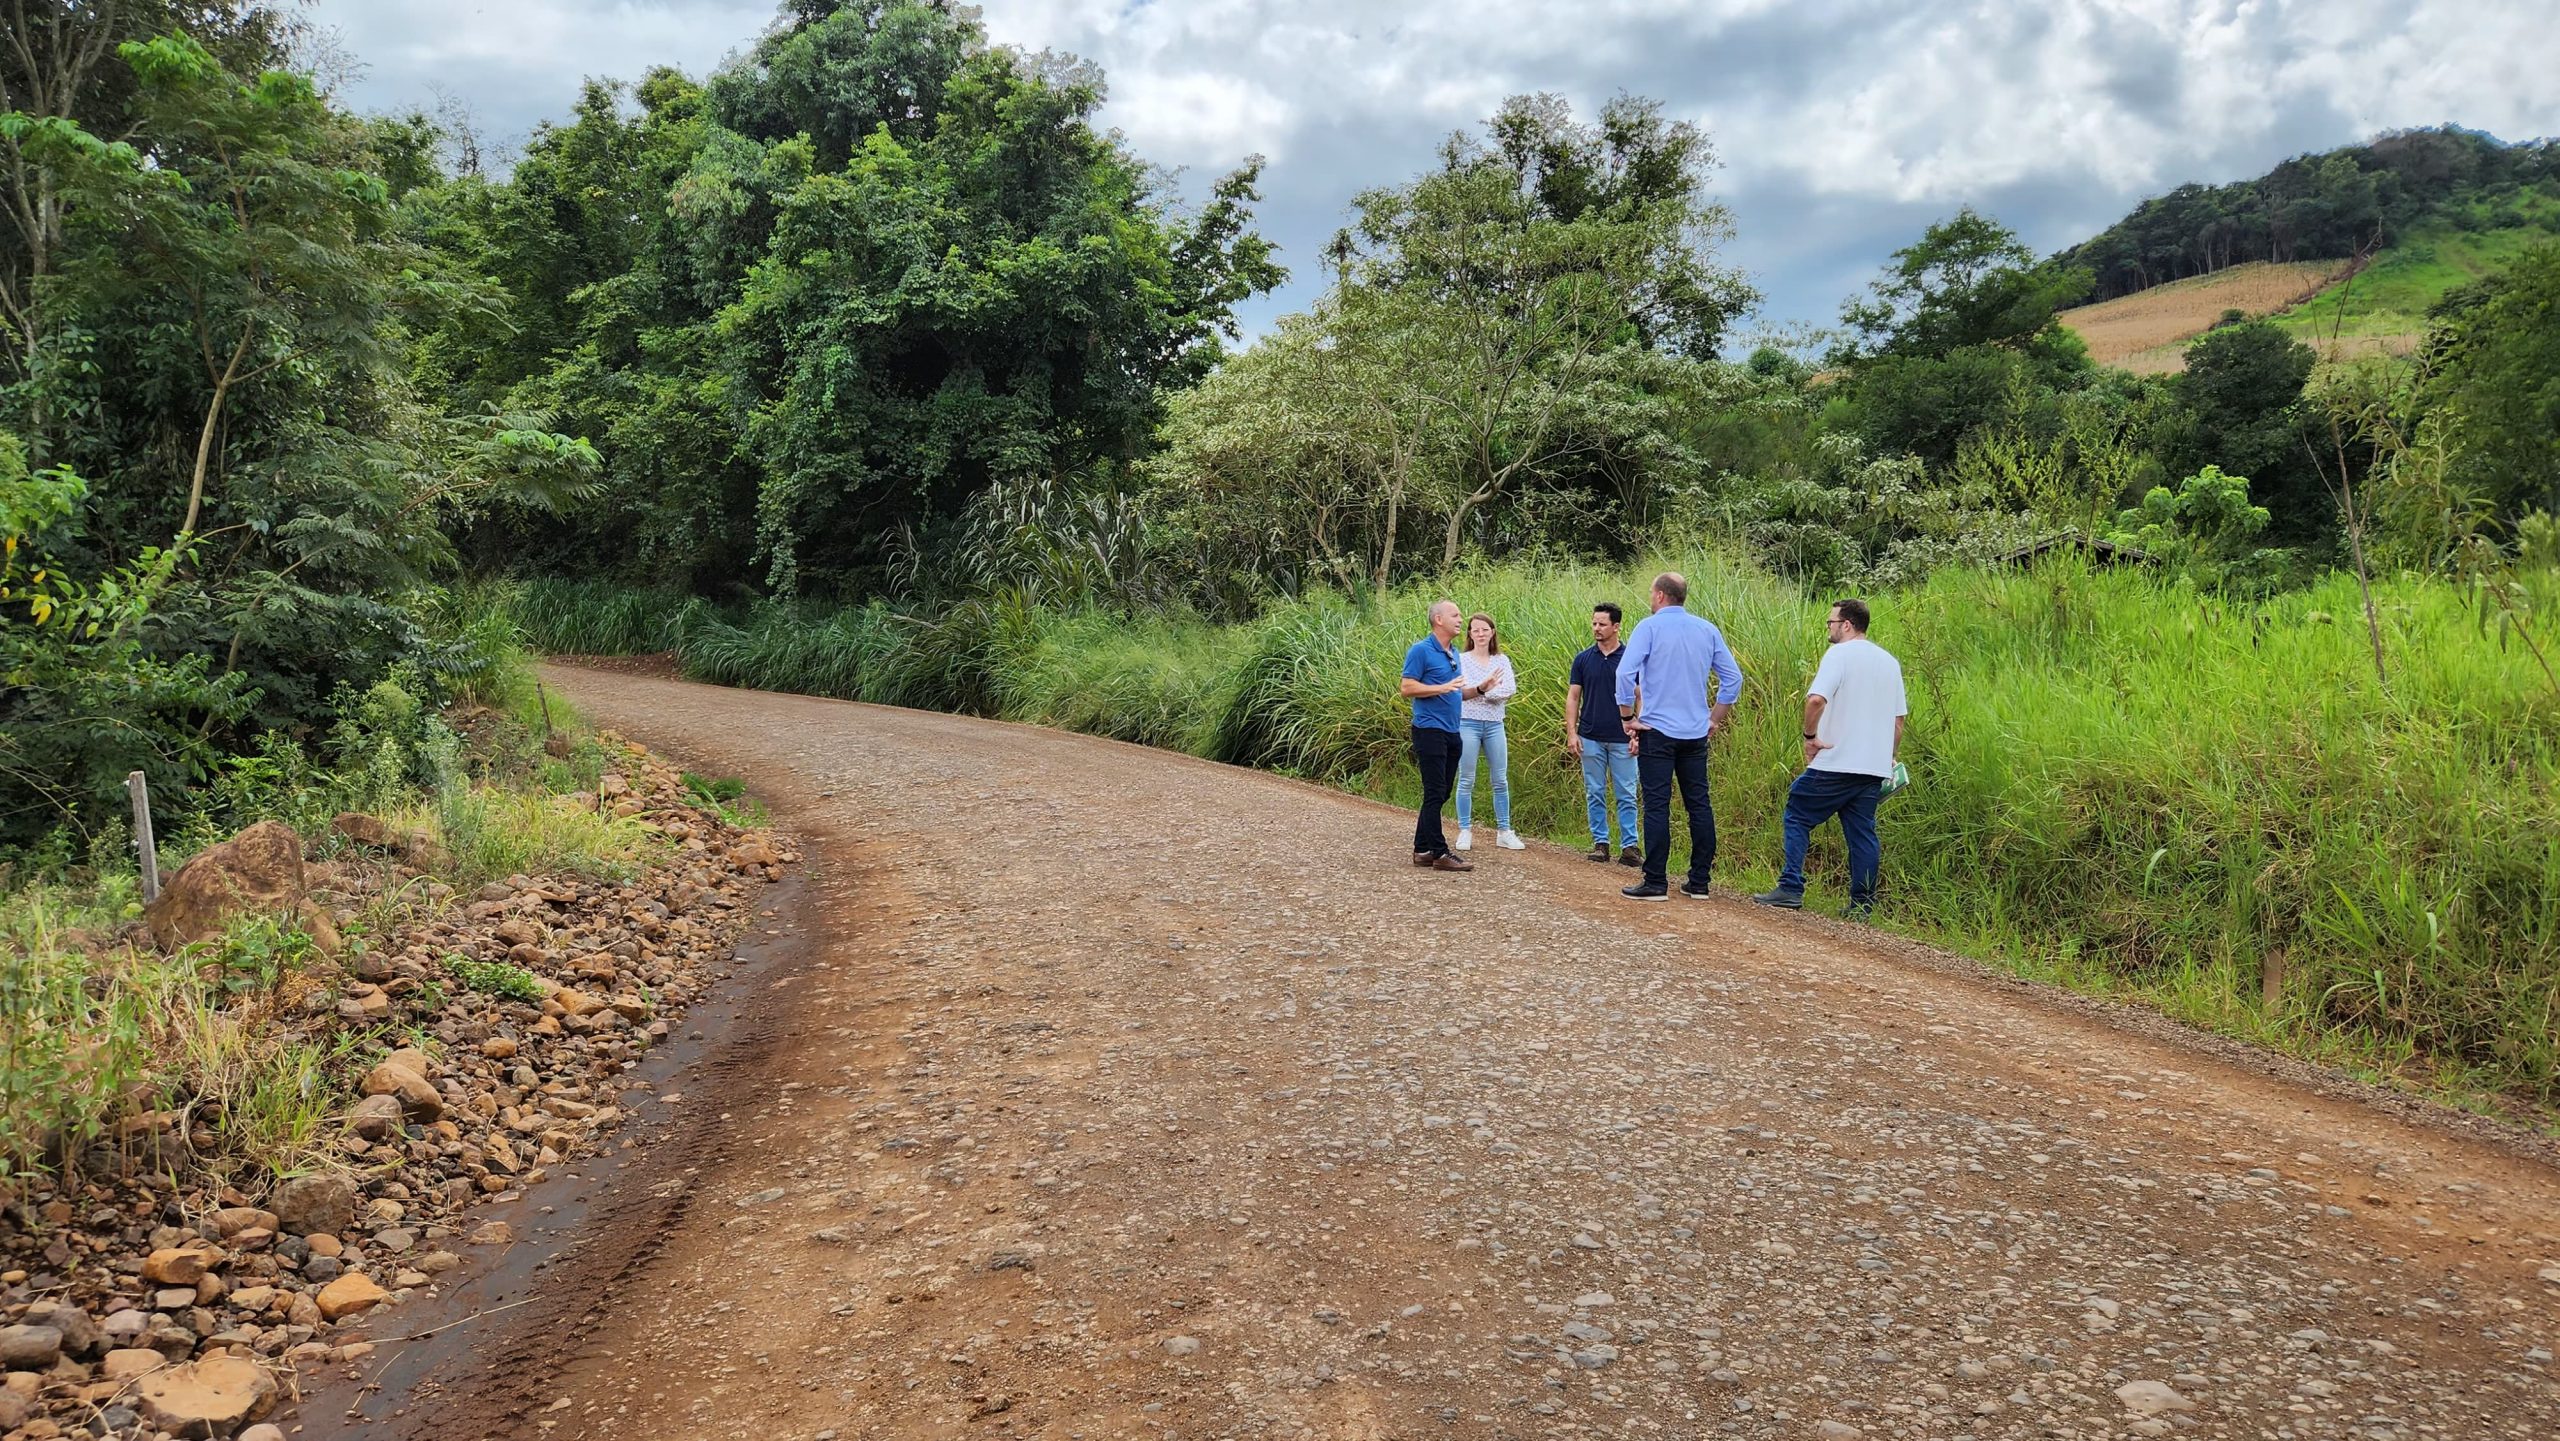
<point x="1115" y="1094"/>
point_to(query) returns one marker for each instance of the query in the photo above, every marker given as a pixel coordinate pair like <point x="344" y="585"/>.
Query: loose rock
<point x="211" y="1397"/>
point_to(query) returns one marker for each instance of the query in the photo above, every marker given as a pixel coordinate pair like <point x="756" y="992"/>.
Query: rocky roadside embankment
<point x="135" y="1305"/>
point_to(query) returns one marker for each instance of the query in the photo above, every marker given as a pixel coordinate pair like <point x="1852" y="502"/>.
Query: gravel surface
<point x="1118" y="1094"/>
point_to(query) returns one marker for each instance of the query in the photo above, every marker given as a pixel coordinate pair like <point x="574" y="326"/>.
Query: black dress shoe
<point x="1647" y="891"/>
<point x="1694" y="890"/>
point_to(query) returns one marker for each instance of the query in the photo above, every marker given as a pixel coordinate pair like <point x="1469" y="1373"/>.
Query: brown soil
<point x="2147" y="332"/>
<point x="1088" y="1091"/>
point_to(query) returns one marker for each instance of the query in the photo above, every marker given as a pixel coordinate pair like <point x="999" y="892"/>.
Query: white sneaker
<point x="1466" y="839"/>
<point x="1510" y="841"/>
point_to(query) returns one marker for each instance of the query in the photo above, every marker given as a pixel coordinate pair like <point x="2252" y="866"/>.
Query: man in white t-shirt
<point x="1853" y="717"/>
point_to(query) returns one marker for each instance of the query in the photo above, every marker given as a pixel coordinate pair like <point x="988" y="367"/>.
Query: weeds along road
<point x="1113" y="1094"/>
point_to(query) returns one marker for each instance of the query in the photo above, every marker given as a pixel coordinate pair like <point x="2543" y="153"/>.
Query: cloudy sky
<point x="1844" y="126"/>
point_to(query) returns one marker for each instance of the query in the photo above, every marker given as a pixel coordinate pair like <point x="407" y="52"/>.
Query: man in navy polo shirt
<point x="1594" y="735"/>
<point x="1433" y="683"/>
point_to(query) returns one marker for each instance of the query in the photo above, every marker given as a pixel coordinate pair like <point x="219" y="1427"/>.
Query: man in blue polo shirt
<point x="1673" y="657"/>
<point x="1434" y="684"/>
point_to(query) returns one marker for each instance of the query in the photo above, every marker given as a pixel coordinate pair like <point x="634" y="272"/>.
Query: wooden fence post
<point x="143" y="843"/>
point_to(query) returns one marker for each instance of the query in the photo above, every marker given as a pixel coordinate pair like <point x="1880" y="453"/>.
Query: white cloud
<point x="1198" y="117"/>
<point x="1862" y="117"/>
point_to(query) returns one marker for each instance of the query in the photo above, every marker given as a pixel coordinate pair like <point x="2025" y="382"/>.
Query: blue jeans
<point x="1816" y="797"/>
<point x="1486" y="738"/>
<point x="1606" y="766"/>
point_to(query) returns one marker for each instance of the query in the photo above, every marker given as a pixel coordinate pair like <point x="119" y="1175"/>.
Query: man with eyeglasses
<point x="1853" y="718"/>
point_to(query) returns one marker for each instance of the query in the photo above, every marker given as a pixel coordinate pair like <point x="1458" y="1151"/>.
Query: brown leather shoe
<point x="1451" y="863"/>
<point x="1422" y="858"/>
<point x="1600" y="851"/>
<point x="1631" y="857"/>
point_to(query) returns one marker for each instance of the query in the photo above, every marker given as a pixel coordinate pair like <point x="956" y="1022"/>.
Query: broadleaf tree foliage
<point x="1450" y="392"/>
<point x="865" y="274"/>
<point x="209" y="309"/>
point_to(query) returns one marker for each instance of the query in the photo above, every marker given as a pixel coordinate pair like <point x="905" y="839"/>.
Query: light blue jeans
<point x="1606" y="766"/>
<point x="1484" y="737"/>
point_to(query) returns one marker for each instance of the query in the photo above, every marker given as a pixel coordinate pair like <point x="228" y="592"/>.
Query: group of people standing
<point x="1642" y="713"/>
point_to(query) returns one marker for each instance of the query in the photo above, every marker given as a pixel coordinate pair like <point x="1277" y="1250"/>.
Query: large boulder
<point x="214" y="1396"/>
<point x="258" y="871"/>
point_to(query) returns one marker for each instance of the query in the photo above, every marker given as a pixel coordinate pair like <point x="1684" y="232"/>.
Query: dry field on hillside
<point x="2146" y="332"/>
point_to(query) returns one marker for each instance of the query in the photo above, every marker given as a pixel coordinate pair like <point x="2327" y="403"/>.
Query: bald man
<point x="1434" y="684"/>
<point x="1688" y="681"/>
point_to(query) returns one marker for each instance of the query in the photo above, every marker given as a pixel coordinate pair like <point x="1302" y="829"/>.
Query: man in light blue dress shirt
<point x="1673" y="658"/>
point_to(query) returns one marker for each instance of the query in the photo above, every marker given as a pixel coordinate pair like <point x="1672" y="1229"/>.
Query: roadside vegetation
<point x="2210" y="806"/>
<point x="106" y="1039"/>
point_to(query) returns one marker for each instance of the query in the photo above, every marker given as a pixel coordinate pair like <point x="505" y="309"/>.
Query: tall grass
<point x="85" y="1045"/>
<point x="581" y="617"/>
<point x="2121" y="785"/>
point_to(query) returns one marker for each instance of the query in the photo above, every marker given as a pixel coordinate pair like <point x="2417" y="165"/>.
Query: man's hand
<point x="1572" y="742"/>
<point x="1814" y="746"/>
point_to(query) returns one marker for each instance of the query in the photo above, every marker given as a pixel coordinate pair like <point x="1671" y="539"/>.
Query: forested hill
<point x="2324" y="207"/>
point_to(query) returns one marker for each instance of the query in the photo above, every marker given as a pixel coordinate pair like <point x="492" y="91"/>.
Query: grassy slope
<point x="2122" y="786"/>
<point x="2385" y="305"/>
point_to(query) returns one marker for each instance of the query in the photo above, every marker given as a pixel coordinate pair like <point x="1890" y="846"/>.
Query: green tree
<point x="1947" y="336"/>
<point x="862" y="275"/>
<point x="1311" y="454"/>
<point x="1967" y="282"/>
<point x="225" y="323"/>
<point x="2238" y="405"/>
<point x="1525" y="270"/>
<point x="245" y="215"/>
<point x="2492" y="393"/>
<point x="62" y="85"/>
<point x="84" y="695"/>
<point x="2206" y="528"/>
